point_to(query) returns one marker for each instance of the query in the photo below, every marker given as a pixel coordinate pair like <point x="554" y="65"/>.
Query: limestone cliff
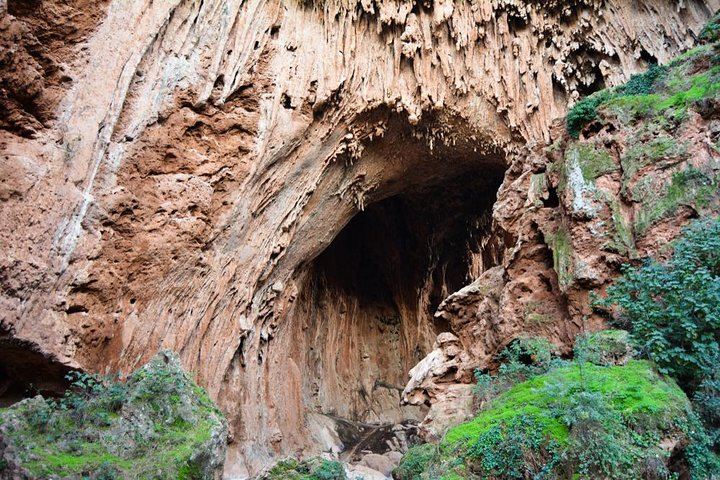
<point x="285" y="191"/>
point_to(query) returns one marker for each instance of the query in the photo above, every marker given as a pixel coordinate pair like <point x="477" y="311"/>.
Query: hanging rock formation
<point x="285" y="192"/>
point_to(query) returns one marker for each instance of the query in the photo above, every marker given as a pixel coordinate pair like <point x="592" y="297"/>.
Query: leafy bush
<point x="707" y="405"/>
<point x="584" y="112"/>
<point x="310" y="469"/>
<point x="575" y="419"/>
<point x="711" y="31"/>
<point x="414" y="462"/>
<point x="673" y="308"/>
<point x="523" y="358"/>
<point x="642" y="83"/>
<point x="600" y="443"/>
<point x="329" y="470"/>
<point x="519" y="448"/>
<point x="526" y="356"/>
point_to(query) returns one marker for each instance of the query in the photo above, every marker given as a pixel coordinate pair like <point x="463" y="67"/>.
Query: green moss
<point x="561" y="247"/>
<point x="622" y="240"/>
<point x="153" y="426"/>
<point x="634" y="394"/>
<point x="594" y="161"/>
<point x="689" y="186"/>
<point x="670" y="90"/>
<point x="60" y="463"/>
<point x="634" y="107"/>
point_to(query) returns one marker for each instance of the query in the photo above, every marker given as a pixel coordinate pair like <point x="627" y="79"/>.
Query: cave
<point x="366" y="307"/>
<point x="25" y="371"/>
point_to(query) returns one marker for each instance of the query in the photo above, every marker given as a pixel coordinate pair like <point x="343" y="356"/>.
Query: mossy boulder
<point x="158" y="424"/>
<point x="541" y="428"/>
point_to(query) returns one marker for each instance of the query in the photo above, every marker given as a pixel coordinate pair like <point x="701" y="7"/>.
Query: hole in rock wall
<point x="367" y="301"/>
<point x="26" y="372"/>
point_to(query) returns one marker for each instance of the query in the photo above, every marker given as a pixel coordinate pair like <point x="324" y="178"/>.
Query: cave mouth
<point x="368" y="299"/>
<point x="25" y="371"/>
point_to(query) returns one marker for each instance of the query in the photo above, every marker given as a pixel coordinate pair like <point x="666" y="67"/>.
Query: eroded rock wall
<point x="171" y="170"/>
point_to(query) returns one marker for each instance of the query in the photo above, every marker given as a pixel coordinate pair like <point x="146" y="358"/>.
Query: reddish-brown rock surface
<point x="285" y="192"/>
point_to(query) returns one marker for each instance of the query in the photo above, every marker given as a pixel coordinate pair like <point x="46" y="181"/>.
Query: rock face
<point x="285" y="192"/>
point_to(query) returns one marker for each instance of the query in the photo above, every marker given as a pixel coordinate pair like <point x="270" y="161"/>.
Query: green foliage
<point x="642" y="83"/>
<point x="156" y="425"/>
<point x="711" y="31"/>
<point x="414" y="462"/>
<point x="584" y="112"/>
<point x="520" y="360"/>
<point x="669" y="90"/>
<point x="329" y="470"/>
<point x="311" y="469"/>
<point x="707" y="404"/>
<point x="542" y="427"/>
<point x="703" y="462"/>
<point x="601" y="444"/>
<point x="517" y="449"/>
<point x="606" y="347"/>
<point x="672" y="308"/>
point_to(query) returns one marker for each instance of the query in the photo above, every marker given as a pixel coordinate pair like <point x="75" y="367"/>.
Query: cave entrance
<point x="25" y="371"/>
<point x="368" y="299"/>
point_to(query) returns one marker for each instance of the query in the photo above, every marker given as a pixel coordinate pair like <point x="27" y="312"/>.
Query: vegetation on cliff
<point x="642" y="402"/>
<point x="604" y="414"/>
<point x="310" y="469"/>
<point x="543" y="427"/>
<point x="158" y="424"/>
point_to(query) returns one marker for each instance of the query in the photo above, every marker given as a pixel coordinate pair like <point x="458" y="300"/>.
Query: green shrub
<point x="310" y="469"/>
<point x="584" y="112"/>
<point x="642" y="83"/>
<point x="577" y="419"/>
<point x="526" y="356"/>
<point x="517" y="449"/>
<point x="414" y="462"/>
<point x="673" y="308"/>
<point x="329" y="470"/>
<point x="711" y="31"/>
<point x="600" y="443"/>
<point x="520" y="360"/>
<point x="706" y="402"/>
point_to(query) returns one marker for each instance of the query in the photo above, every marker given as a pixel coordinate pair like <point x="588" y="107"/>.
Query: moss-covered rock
<point x="537" y="428"/>
<point x="159" y="424"/>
